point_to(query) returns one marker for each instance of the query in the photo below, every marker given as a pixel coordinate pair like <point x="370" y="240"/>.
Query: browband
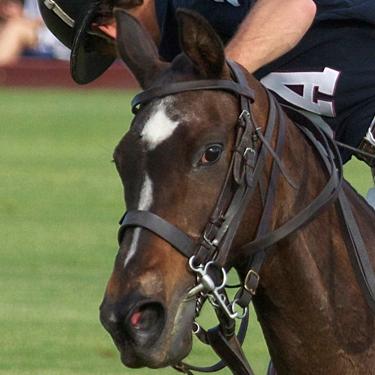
<point x="178" y="87"/>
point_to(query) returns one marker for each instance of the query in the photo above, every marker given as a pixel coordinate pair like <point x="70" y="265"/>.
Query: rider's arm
<point x="271" y="29"/>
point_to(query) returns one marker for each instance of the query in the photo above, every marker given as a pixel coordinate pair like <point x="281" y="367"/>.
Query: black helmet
<point x="70" y="21"/>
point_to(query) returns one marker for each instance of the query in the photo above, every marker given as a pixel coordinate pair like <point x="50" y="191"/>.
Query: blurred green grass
<point x="60" y="200"/>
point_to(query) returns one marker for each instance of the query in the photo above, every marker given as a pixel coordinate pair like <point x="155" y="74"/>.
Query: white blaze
<point x="159" y="127"/>
<point x="145" y="201"/>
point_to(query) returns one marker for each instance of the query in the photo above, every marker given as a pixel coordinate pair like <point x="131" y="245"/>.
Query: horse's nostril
<point x="142" y="324"/>
<point x="147" y="319"/>
<point x="136" y="319"/>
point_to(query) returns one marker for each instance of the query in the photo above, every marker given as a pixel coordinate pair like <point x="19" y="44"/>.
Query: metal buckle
<point x="237" y="314"/>
<point x="248" y="149"/>
<point x="243" y="114"/>
<point x="196" y="328"/>
<point x="212" y="243"/>
<point x="249" y="278"/>
<point x="244" y="118"/>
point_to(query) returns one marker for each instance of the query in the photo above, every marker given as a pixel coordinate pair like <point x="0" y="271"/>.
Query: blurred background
<point x="60" y="201"/>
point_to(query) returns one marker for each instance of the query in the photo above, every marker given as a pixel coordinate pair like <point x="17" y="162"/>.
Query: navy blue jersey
<point x="355" y="10"/>
<point x="224" y="16"/>
<point x="330" y="74"/>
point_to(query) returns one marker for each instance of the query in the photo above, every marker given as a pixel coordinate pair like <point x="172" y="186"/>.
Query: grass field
<point x="60" y="200"/>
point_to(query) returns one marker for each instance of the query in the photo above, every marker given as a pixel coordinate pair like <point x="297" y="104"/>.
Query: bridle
<point x="207" y="257"/>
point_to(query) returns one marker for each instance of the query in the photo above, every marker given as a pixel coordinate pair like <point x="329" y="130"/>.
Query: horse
<point x="308" y="294"/>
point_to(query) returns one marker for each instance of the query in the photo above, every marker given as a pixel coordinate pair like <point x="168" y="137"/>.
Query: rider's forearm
<point x="271" y="29"/>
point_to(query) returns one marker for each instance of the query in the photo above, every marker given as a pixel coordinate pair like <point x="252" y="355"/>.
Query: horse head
<point x="200" y="168"/>
<point x="172" y="162"/>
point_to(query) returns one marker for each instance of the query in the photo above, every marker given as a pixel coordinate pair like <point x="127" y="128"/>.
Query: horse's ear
<point x="137" y="49"/>
<point x="201" y="44"/>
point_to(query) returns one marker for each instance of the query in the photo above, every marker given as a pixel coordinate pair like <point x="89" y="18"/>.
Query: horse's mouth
<point x="134" y="358"/>
<point x="157" y="356"/>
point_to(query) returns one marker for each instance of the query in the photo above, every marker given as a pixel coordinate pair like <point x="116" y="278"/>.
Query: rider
<point x="316" y="55"/>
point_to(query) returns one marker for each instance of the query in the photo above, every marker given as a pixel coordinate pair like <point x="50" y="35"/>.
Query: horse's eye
<point x="211" y="155"/>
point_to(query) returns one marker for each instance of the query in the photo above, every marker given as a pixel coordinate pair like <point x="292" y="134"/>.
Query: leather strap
<point x="357" y="252"/>
<point x="326" y="196"/>
<point x="246" y="292"/>
<point x="178" y="87"/>
<point x="203" y="336"/>
<point x="230" y="351"/>
<point x="246" y="169"/>
<point x="162" y="228"/>
<point x="260" y="247"/>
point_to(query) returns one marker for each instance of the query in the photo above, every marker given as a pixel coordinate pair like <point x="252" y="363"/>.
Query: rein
<point x="208" y="256"/>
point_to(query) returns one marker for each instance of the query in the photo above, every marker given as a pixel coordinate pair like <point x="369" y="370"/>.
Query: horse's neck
<point x="313" y="314"/>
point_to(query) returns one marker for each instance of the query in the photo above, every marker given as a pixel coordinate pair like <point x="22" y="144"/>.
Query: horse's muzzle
<point x="145" y="333"/>
<point x="139" y="324"/>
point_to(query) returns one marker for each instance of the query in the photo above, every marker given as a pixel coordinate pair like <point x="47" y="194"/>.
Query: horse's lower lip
<point x="131" y="361"/>
<point x="136" y="358"/>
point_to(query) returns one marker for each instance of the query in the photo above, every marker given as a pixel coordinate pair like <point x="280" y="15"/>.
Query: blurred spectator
<point x="16" y="31"/>
<point x="22" y="32"/>
<point x="48" y="45"/>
